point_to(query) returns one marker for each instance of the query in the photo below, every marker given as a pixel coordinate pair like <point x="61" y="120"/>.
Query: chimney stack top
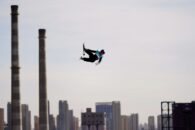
<point x="42" y="33"/>
<point x="14" y="9"/>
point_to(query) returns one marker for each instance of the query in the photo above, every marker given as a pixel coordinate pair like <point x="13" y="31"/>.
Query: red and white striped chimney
<point x="15" y="80"/>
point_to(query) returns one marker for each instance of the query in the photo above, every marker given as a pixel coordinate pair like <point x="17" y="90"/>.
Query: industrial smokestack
<point x="15" y="81"/>
<point x="43" y="106"/>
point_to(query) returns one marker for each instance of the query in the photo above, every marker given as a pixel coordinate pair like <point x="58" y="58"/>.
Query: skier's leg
<point x="89" y="52"/>
<point x="83" y="46"/>
<point x="83" y="49"/>
<point x="87" y="59"/>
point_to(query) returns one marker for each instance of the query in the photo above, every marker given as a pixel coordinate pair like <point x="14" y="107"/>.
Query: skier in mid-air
<point x="93" y="55"/>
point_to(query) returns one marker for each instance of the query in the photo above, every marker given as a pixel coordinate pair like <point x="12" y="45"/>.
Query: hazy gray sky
<point x="149" y="48"/>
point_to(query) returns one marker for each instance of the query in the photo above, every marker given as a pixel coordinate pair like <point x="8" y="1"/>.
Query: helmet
<point x="102" y="52"/>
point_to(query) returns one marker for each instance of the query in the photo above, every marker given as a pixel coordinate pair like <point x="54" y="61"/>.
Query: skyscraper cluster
<point x="107" y="116"/>
<point x="25" y="116"/>
<point x="65" y="119"/>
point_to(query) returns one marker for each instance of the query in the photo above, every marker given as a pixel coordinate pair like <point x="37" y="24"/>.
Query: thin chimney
<point x="43" y="106"/>
<point x="15" y="80"/>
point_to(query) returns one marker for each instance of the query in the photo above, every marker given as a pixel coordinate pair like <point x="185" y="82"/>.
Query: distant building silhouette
<point x="26" y="117"/>
<point x="134" y="121"/>
<point x="113" y="114"/>
<point x="159" y="124"/>
<point x="57" y="122"/>
<point x="1" y="119"/>
<point x="106" y="107"/>
<point x="116" y="111"/>
<point x="70" y="118"/>
<point x="184" y="116"/>
<point x="143" y="126"/>
<point x="125" y="122"/>
<point x="75" y="123"/>
<point x="62" y="118"/>
<point x="92" y="120"/>
<point x="36" y="123"/>
<point x="9" y="115"/>
<point x="151" y="123"/>
<point x="52" y="125"/>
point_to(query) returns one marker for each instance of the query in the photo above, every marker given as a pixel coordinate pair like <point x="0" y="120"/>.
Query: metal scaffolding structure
<point x="166" y="115"/>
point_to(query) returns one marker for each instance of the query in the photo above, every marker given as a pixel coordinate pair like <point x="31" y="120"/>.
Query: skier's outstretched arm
<point x="99" y="61"/>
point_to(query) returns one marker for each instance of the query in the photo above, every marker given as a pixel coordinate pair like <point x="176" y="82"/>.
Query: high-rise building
<point x="92" y="120"/>
<point x="113" y="114"/>
<point x="62" y="118"/>
<point x="151" y="123"/>
<point x="26" y="117"/>
<point x="116" y="113"/>
<point x="184" y="116"/>
<point x="106" y="107"/>
<point x="9" y="116"/>
<point x="125" y="122"/>
<point x="52" y="125"/>
<point x="134" y="121"/>
<point x="1" y="119"/>
<point x="75" y="123"/>
<point x="36" y="123"/>
<point x="159" y="126"/>
<point x="70" y="117"/>
<point x="58" y="122"/>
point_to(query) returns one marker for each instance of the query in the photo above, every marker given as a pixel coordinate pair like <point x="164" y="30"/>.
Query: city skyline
<point x="179" y="112"/>
<point x="66" y="118"/>
<point x="149" y="53"/>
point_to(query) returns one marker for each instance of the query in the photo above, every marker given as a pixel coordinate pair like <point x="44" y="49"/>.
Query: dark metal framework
<point x="166" y="115"/>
